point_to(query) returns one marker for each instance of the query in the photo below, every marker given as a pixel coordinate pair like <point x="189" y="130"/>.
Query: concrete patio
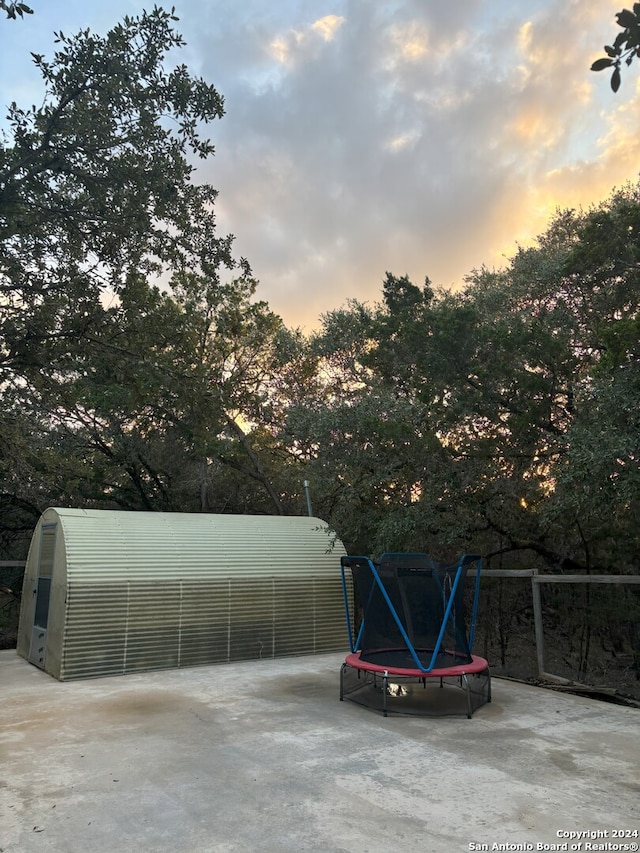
<point x="262" y="756"/>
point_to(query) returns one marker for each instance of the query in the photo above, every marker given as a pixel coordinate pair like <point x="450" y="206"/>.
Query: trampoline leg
<point x="468" y="690"/>
<point x="342" y="669"/>
<point x="385" y="687"/>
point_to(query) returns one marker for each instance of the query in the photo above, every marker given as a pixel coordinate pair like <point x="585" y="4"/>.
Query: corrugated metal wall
<point x="130" y="626"/>
<point x="159" y="590"/>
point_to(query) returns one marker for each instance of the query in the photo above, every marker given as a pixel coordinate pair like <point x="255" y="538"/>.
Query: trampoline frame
<point x="459" y="674"/>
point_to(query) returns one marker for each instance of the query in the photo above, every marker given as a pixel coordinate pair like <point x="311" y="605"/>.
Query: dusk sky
<point x="424" y="137"/>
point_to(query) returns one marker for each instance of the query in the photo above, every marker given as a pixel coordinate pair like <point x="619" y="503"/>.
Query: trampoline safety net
<point x="410" y="622"/>
<point x="427" y="604"/>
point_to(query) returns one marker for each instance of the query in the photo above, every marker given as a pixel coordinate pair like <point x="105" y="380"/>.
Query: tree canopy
<point x="99" y="216"/>
<point x="96" y="189"/>
<point x="502" y="417"/>
<point x="140" y="369"/>
<point x="625" y="47"/>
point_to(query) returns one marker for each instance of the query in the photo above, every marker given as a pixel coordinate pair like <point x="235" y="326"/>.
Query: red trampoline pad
<point x="477" y="664"/>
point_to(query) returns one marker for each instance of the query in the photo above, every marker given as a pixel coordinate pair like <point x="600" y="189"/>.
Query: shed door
<point x="42" y="593"/>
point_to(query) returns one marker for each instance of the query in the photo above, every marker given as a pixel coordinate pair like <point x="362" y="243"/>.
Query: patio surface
<point x="261" y="756"/>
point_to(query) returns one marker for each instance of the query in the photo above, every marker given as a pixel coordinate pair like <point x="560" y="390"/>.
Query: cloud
<point x="296" y="45"/>
<point x="421" y="138"/>
<point x="328" y="26"/>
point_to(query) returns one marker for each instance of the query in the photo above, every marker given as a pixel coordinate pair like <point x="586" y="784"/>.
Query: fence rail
<point x="536" y="580"/>
<point x="542" y="578"/>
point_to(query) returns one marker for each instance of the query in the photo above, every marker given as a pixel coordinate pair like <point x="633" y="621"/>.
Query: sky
<point x="419" y="137"/>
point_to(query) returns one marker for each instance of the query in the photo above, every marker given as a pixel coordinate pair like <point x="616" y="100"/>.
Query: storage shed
<point x="111" y="592"/>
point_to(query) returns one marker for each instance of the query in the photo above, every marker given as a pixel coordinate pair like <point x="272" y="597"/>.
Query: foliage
<point x="96" y="190"/>
<point x="15" y="9"/>
<point x="158" y="421"/>
<point x="626" y="45"/>
<point x="110" y="382"/>
<point x="499" y="418"/>
<point x="140" y="369"/>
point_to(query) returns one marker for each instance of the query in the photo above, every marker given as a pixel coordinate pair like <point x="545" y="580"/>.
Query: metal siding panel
<point x="95" y="631"/>
<point x="132" y="627"/>
<point x="204" y="623"/>
<point x="153" y="619"/>
<point x="331" y="628"/>
<point x="251" y="619"/>
<point x="295" y="615"/>
<point x="161" y="590"/>
<point x="195" y="545"/>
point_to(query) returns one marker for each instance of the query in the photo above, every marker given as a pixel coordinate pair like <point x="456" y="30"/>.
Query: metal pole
<point x="537" y="622"/>
<point x="306" y="491"/>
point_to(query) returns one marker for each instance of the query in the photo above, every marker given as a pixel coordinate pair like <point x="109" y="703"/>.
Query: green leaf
<point x="615" y="79"/>
<point x="627" y="19"/>
<point x="620" y="39"/>
<point x="601" y="64"/>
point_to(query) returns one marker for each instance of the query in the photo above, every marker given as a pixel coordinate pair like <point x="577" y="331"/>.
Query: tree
<point x="96" y="187"/>
<point x="557" y="345"/>
<point x="501" y="417"/>
<point x="171" y="416"/>
<point x="360" y="431"/>
<point x="98" y="198"/>
<point x="626" y="45"/>
<point x="597" y="490"/>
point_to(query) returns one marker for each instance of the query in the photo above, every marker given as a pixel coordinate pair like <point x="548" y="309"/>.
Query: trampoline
<point x="412" y="631"/>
